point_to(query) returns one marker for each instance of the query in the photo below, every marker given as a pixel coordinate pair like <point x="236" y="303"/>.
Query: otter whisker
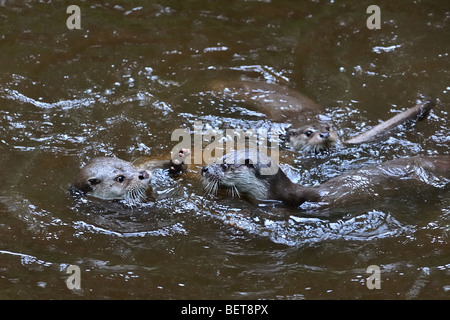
<point x="216" y="187"/>
<point x="235" y="191"/>
<point x="230" y="190"/>
<point x="130" y="199"/>
<point x="134" y="196"/>
<point x="306" y="149"/>
<point x="207" y="186"/>
<point x="211" y="186"/>
<point x="142" y="194"/>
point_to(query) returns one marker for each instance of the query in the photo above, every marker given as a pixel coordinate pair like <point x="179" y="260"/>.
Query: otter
<point x="111" y="178"/>
<point x="309" y="133"/>
<point x="242" y="172"/>
<point x="313" y="137"/>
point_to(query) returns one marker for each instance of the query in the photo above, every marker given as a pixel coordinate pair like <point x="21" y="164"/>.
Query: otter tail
<point x="416" y="113"/>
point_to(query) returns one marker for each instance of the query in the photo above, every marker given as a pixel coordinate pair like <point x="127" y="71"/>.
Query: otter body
<point x="392" y="178"/>
<point x="282" y="104"/>
<point x="309" y="132"/>
<point x="279" y="103"/>
<point x="237" y="170"/>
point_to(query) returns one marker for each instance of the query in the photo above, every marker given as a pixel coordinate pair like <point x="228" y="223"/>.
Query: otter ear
<point x="94" y="181"/>
<point x="86" y="186"/>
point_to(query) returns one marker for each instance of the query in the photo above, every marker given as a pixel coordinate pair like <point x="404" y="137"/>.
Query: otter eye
<point x="120" y="178"/>
<point x="308" y="133"/>
<point x="224" y="166"/>
<point x="94" y="181"/>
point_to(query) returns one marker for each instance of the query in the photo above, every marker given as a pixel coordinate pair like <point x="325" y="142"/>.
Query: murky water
<point x="138" y="70"/>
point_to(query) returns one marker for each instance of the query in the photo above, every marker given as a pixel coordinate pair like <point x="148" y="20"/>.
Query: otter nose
<point x="204" y="169"/>
<point x="143" y="175"/>
<point x="325" y="135"/>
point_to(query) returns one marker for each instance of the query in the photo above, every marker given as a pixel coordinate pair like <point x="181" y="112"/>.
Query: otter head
<point x="113" y="179"/>
<point x="246" y="172"/>
<point x="314" y="137"/>
<point x="257" y="176"/>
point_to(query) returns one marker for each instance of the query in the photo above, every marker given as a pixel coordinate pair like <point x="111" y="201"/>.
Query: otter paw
<point x="182" y="154"/>
<point x="177" y="165"/>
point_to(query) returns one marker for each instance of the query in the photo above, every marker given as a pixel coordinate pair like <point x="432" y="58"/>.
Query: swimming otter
<point x="112" y="178"/>
<point x="312" y="137"/>
<point x="309" y="132"/>
<point x="241" y="171"/>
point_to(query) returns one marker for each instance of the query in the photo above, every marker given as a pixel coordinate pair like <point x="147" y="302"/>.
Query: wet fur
<point x="112" y="178"/>
<point x="387" y="179"/>
<point x="282" y="104"/>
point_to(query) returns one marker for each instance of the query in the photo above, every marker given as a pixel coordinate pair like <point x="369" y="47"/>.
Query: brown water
<point x="138" y="70"/>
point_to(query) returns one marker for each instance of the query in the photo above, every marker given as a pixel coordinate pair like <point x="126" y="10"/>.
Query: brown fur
<point x="366" y="184"/>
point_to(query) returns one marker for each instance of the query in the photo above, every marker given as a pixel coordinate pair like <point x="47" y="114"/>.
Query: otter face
<point x="113" y="179"/>
<point x="315" y="137"/>
<point x="240" y="173"/>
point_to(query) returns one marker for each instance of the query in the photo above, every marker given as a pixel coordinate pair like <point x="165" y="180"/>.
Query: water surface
<point x="138" y="70"/>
